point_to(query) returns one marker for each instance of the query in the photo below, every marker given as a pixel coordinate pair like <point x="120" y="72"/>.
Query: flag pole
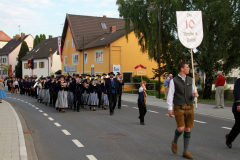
<point x="195" y="98"/>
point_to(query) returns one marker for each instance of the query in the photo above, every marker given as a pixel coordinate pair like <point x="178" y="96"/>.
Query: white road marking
<point x="66" y="132"/>
<point x="125" y="105"/>
<point x="26" y="102"/>
<point x="29" y="103"/>
<point x="18" y="99"/>
<point x="226" y="128"/>
<point x="50" y="118"/>
<point x="14" y="98"/>
<point x="91" y="157"/>
<point x="33" y="106"/>
<point x="45" y="114"/>
<point x="57" y="124"/>
<point x="9" y="97"/>
<point x="199" y="121"/>
<point x="153" y="111"/>
<point x="37" y="108"/>
<point x="78" y="144"/>
<point x="40" y="111"/>
<point x="135" y="107"/>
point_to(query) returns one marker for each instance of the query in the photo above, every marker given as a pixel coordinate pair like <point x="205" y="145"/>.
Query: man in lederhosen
<point x="121" y="84"/>
<point x="180" y="95"/>
<point x="112" y="90"/>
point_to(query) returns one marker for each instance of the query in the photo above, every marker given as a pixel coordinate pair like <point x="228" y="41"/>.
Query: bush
<point x="137" y="80"/>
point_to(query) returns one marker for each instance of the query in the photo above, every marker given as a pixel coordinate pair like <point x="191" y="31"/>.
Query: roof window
<point x="37" y="50"/>
<point x="102" y="39"/>
<point x="104" y="26"/>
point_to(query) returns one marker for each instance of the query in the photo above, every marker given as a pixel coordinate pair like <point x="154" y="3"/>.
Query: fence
<point x="133" y="87"/>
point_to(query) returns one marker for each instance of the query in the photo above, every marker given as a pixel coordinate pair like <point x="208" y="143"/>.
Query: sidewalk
<point x="204" y="109"/>
<point x="12" y="143"/>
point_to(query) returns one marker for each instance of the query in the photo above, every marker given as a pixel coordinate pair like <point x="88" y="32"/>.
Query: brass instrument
<point x="62" y="84"/>
<point x="94" y="82"/>
<point x="103" y="79"/>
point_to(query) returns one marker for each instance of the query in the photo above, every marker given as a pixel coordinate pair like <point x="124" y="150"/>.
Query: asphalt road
<point x="97" y="135"/>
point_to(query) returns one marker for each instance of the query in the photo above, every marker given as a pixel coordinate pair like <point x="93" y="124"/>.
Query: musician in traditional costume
<point x="93" y="97"/>
<point x="21" y="87"/>
<point x="62" y="101"/>
<point x="46" y="96"/>
<point x="71" y="91"/>
<point x="77" y="87"/>
<point x="121" y="84"/>
<point x="112" y="91"/>
<point x="50" y="86"/>
<point x="85" y="94"/>
<point x="55" y="88"/>
<point x="104" y="97"/>
<point x="40" y="91"/>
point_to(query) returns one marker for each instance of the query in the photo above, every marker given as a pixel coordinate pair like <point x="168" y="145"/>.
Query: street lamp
<point x="152" y="7"/>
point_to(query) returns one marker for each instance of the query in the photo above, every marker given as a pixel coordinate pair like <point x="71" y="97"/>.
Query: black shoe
<point x="94" y="109"/>
<point x="227" y="142"/>
<point x="105" y="108"/>
<point x="56" y="108"/>
<point x="119" y="107"/>
<point x="111" y="114"/>
<point x="90" y="108"/>
<point x="78" y="111"/>
<point x="142" y="123"/>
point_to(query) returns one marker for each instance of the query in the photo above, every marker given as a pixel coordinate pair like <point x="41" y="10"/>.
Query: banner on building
<point x="92" y="69"/>
<point x="116" y="68"/>
<point x="59" y="49"/>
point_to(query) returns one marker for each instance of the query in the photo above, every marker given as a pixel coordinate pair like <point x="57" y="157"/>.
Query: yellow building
<point x="105" y="49"/>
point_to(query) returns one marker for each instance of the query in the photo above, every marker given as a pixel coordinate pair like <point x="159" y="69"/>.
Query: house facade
<point x="9" y="53"/>
<point x="46" y="59"/>
<point x="4" y="39"/>
<point x="105" y="48"/>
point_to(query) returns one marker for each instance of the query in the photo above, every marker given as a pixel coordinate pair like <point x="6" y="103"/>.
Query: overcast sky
<point x="47" y="16"/>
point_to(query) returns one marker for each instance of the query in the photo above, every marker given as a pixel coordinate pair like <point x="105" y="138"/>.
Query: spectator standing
<point x="2" y="93"/>
<point x="15" y="86"/>
<point x="219" y="95"/>
<point x="165" y="84"/>
<point x="170" y="78"/>
<point x="196" y="79"/>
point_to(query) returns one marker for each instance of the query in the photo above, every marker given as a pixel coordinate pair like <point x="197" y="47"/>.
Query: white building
<point x="46" y="59"/>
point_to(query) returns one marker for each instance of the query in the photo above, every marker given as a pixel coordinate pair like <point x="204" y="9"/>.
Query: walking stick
<point x="195" y="98"/>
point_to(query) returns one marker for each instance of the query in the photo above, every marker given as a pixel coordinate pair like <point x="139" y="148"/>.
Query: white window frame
<point x="77" y="59"/>
<point x="65" y="60"/>
<point x="73" y="43"/>
<point x="131" y="79"/>
<point x="85" y="53"/>
<point x="67" y="43"/>
<point x="97" y="51"/>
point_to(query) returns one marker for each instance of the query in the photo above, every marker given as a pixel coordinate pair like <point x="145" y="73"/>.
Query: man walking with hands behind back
<point x="180" y="95"/>
<point x="219" y="95"/>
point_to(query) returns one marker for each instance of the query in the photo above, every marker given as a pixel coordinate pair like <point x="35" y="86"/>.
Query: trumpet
<point x="94" y="82"/>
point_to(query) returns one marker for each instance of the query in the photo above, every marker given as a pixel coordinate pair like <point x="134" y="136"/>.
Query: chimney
<point x="104" y="16"/>
<point x="50" y="36"/>
<point x="17" y="36"/>
<point x="113" y="28"/>
<point x="22" y="35"/>
<point x="14" y="37"/>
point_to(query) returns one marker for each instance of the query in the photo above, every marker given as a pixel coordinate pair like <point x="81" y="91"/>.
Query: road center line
<point x="226" y="128"/>
<point x="26" y="102"/>
<point x="78" y="144"/>
<point x="14" y="98"/>
<point x="40" y="110"/>
<point x="135" y="107"/>
<point x="199" y="121"/>
<point x="45" y="114"/>
<point x="37" y="108"/>
<point x="57" y="124"/>
<point x="153" y="111"/>
<point x="50" y="118"/>
<point x="66" y="132"/>
<point x="91" y="157"/>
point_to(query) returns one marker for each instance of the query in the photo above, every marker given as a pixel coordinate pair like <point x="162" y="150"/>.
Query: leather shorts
<point x="184" y="115"/>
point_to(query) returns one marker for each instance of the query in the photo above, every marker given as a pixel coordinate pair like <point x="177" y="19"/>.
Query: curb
<point x="22" y="145"/>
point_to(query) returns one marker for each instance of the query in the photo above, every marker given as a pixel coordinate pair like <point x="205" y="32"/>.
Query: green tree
<point x="44" y="36"/>
<point x="41" y="37"/>
<point x="36" y="40"/>
<point x="23" y="51"/>
<point x="218" y="51"/>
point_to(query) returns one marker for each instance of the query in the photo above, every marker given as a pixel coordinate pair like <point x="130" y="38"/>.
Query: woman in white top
<point x="142" y="102"/>
<point x="15" y="86"/>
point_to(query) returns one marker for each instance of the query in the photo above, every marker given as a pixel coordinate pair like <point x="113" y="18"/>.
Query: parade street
<point x="97" y="135"/>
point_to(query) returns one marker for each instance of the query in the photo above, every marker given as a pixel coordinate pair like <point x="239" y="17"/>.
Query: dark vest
<point x="183" y="91"/>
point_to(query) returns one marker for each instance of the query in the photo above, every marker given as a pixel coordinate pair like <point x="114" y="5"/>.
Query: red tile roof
<point x="4" y="36"/>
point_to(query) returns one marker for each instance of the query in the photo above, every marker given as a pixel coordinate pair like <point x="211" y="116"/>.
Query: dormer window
<point x="103" y="25"/>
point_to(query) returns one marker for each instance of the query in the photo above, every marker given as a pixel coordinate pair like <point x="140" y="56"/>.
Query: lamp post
<point x="152" y="7"/>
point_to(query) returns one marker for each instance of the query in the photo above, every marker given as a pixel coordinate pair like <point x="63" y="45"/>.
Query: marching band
<point x="66" y="92"/>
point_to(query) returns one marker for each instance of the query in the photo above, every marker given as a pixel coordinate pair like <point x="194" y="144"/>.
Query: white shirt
<point x="140" y="89"/>
<point x="172" y="91"/>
